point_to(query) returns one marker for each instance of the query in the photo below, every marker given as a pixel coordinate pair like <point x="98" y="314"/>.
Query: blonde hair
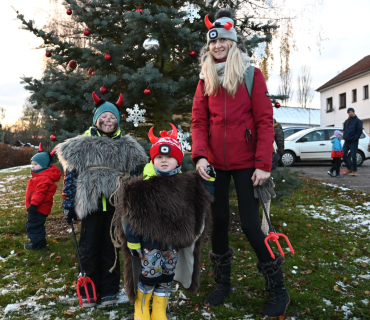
<point x="234" y="71"/>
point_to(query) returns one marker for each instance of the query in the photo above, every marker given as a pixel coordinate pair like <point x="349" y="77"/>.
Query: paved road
<point x="319" y="171"/>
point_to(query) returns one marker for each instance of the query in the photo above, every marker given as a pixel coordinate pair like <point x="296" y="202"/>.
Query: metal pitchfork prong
<point x="273" y="235"/>
<point x="82" y="279"/>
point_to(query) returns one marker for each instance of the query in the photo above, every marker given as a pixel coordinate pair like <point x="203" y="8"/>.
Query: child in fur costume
<point x="39" y="197"/>
<point x="93" y="162"/>
<point x="162" y="227"/>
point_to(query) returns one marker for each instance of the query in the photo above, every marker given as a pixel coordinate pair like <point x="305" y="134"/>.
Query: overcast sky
<point x="345" y="23"/>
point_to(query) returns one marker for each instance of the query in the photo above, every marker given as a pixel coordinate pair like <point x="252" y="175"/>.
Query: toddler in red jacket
<point x="39" y="198"/>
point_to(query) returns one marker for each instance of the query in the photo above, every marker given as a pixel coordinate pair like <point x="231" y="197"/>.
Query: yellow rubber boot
<point x="159" y="308"/>
<point x="142" y="306"/>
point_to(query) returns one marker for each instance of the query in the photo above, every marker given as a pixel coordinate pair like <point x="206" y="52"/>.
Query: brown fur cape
<point x="171" y="210"/>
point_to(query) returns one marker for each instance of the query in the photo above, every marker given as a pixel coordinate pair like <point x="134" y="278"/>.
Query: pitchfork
<point x="82" y="279"/>
<point x="273" y="235"/>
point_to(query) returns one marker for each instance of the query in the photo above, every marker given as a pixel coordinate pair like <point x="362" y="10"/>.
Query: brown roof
<point x="359" y="67"/>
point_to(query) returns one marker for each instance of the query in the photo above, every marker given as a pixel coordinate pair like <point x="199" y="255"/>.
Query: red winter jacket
<point x="41" y="189"/>
<point x="220" y="125"/>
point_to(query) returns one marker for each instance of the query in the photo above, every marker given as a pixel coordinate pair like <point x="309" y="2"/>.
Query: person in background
<point x="352" y="130"/>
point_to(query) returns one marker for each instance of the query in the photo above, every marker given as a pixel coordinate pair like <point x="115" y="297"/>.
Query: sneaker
<point x="34" y="246"/>
<point x="86" y="303"/>
<point x="354" y="173"/>
<point x="109" y="299"/>
<point x="348" y="171"/>
<point x="339" y="176"/>
<point x="330" y="173"/>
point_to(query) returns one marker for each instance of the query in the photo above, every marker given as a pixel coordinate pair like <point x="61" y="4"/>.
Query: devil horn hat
<point x="52" y="153"/>
<point x="119" y="101"/>
<point x="40" y="147"/>
<point x="96" y="98"/>
<point x="153" y="139"/>
<point x="208" y="23"/>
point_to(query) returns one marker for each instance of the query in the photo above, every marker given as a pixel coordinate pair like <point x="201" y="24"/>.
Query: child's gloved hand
<point x="267" y="190"/>
<point x="136" y="253"/>
<point x="69" y="215"/>
<point x="32" y="209"/>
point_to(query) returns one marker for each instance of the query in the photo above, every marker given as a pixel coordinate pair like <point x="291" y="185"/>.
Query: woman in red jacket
<point x="234" y="133"/>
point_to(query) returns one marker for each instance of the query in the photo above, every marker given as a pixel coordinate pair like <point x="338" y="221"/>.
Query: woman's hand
<point x="201" y="166"/>
<point x="259" y="177"/>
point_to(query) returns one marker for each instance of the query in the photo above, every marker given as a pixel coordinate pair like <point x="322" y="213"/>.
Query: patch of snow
<point x="328" y="302"/>
<point x="15" y="169"/>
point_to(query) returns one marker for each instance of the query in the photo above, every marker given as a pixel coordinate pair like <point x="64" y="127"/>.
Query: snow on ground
<point x="15" y="169"/>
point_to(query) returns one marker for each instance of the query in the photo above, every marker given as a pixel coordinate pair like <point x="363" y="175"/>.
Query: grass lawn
<point x="328" y="278"/>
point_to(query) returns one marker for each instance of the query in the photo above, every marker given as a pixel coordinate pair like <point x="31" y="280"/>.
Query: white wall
<point x="338" y="116"/>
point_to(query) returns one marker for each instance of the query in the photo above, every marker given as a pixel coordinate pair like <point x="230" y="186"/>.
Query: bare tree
<point x="285" y="86"/>
<point x="305" y="93"/>
<point x="32" y="119"/>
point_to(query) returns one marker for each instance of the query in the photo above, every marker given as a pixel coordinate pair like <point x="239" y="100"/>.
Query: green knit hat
<point x="102" y="106"/>
<point x="42" y="158"/>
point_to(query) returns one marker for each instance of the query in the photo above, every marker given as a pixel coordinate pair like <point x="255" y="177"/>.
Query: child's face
<point x="107" y="122"/>
<point x="165" y="163"/>
<point x="35" y="166"/>
<point x="339" y="136"/>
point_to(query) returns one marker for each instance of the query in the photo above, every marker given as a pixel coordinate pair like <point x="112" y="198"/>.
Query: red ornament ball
<point x="72" y="64"/>
<point x="90" y="71"/>
<point x="69" y="12"/>
<point x="147" y="92"/>
<point x="277" y="105"/>
<point x="108" y="57"/>
<point x="139" y="10"/>
<point x="87" y="32"/>
<point x="192" y="53"/>
<point x="103" y="90"/>
<point x="53" y="137"/>
<point x="48" y="54"/>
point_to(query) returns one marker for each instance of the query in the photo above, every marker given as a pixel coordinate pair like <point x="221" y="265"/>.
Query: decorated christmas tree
<point x="148" y="51"/>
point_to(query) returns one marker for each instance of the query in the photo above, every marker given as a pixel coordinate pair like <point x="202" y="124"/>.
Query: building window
<point x="354" y="95"/>
<point x="366" y="92"/>
<point x="342" y="101"/>
<point x="329" y="104"/>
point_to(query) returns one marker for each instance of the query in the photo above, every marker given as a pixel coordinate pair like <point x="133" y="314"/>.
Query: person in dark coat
<point x="279" y="140"/>
<point x="352" y="130"/>
<point x="234" y="133"/>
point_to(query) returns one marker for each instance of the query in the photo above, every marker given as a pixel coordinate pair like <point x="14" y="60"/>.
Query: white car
<point x="315" y="145"/>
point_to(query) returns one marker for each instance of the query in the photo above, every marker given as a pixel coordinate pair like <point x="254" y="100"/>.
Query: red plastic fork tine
<point x="288" y="242"/>
<point x="280" y="249"/>
<point x="268" y="248"/>
<point x="78" y="293"/>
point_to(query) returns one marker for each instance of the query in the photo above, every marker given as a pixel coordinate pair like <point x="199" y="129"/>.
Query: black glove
<point x="32" y="209"/>
<point x="267" y="190"/>
<point x="69" y="214"/>
<point x="136" y="253"/>
<point x="210" y="171"/>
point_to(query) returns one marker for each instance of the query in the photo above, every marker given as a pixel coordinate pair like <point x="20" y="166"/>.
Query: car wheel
<point x="288" y="158"/>
<point x="359" y="157"/>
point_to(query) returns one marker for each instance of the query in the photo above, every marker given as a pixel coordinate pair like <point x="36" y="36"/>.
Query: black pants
<point x="98" y="253"/>
<point x="248" y="210"/>
<point x="336" y="165"/>
<point x="35" y="228"/>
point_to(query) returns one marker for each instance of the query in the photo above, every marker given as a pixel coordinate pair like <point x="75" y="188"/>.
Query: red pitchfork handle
<point x="273" y="235"/>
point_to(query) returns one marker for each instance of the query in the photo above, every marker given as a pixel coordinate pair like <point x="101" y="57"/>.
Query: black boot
<point x="221" y="273"/>
<point x="278" y="299"/>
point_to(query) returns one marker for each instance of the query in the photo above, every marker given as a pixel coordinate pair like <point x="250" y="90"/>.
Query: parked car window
<point x="287" y="133"/>
<point x="362" y="136"/>
<point x="318" y="135"/>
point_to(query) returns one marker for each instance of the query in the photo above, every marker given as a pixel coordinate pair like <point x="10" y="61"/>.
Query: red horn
<point x="208" y="23"/>
<point x="96" y="98"/>
<point x="40" y="147"/>
<point x="52" y="153"/>
<point x="120" y="101"/>
<point x="153" y="139"/>
<point x="174" y="131"/>
<point x="228" y="25"/>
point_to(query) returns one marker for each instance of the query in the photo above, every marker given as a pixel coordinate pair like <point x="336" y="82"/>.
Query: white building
<point x="349" y="89"/>
<point x="288" y="116"/>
